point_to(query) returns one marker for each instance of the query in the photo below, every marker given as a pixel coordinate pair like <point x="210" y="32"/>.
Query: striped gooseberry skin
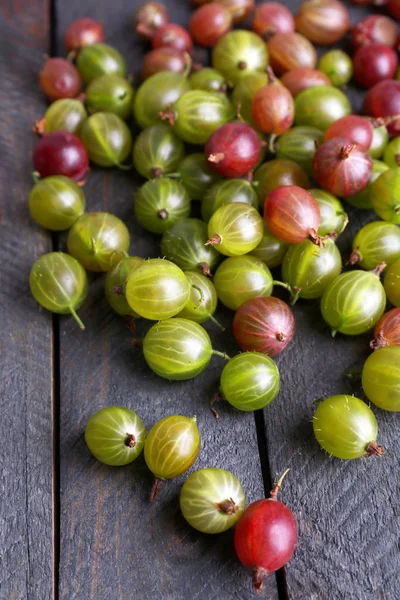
<point x="66" y="114"/>
<point x="244" y="92"/>
<point x="271" y="18"/>
<point x="184" y="243"/>
<point x="59" y="79"/>
<point x="334" y="218"/>
<point x="381" y="378"/>
<point x="177" y="349"/>
<point x="172" y="446"/>
<point x="375" y="243"/>
<point x="270" y="250"/>
<point x="203" y="298"/>
<point x="160" y="203"/>
<point x="239" y="278"/>
<point x="116" y="278"/>
<point x="98" y="240"/>
<point x="212" y="500"/>
<point x="273" y="108"/>
<point x="299" y="145"/>
<point x="56" y="202"/>
<point x="277" y="173"/>
<point x="99" y="59"/>
<point x="392" y="283"/>
<point x="353" y="303"/>
<point x="225" y="192"/>
<point x="233" y="150"/>
<point x="157" y="151"/>
<point x="289" y="51"/>
<point x="385" y="195"/>
<point x="250" y="381"/>
<point x="196" y="175"/>
<point x="302" y="78"/>
<point x="235" y="229"/>
<point x="264" y="324"/>
<point x="115" y="435"/>
<point x="309" y="269"/>
<point x="387" y="330"/>
<point x="197" y="114"/>
<point x="323" y="22"/>
<point x="238" y="53"/>
<point x="345" y="426"/>
<point x="291" y="214"/>
<point x="107" y="139"/>
<point x="157" y="289"/>
<point x="157" y="93"/>
<point x="363" y="198"/>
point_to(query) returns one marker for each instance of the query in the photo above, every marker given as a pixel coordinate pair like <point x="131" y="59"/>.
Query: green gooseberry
<point x="212" y="500"/>
<point x="385" y="195"/>
<point x="250" y="381"/>
<point x="209" y="80"/>
<point x="59" y="284"/>
<point x="346" y="427"/>
<point x="381" y="378"/>
<point x="226" y="191"/>
<point x="276" y="173"/>
<point x="177" y="349"/>
<point x="299" y="144"/>
<point x="334" y="219"/>
<point x="156" y="94"/>
<point x="320" y="106"/>
<point x="99" y="59"/>
<point x="244" y="92"/>
<point x="157" y="151"/>
<point x="66" y="114"/>
<point x="203" y="300"/>
<point x="235" y="229"/>
<point x="270" y="250"/>
<point x="375" y="243"/>
<point x="197" y="114"/>
<point x="161" y="202"/>
<point x="308" y="269"/>
<point x="157" y="289"/>
<point x="338" y="66"/>
<point x="196" y="175"/>
<point x="115" y="435"/>
<point x="107" y="139"/>
<point x="115" y="282"/>
<point x="172" y="446"/>
<point x="238" y="53"/>
<point x="363" y="198"/>
<point x="239" y="278"/>
<point x="98" y="240"/>
<point x="56" y="202"/>
<point x="380" y="139"/>
<point x="392" y="283"/>
<point x="391" y="155"/>
<point x="353" y="302"/>
<point x="110" y="93"/>
<point x="185" y="244"/>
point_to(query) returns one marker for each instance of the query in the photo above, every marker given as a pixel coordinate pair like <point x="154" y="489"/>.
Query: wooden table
<point x="73" y="529"/>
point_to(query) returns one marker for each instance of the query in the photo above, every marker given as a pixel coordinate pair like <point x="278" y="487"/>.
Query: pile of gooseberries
<point x="261" y="146"/>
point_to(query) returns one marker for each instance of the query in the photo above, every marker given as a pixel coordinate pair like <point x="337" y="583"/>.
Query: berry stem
<point x="77" y="319"/>
<point x="379" y="269"/>
<point x="221" y="354"/>
<point x="215" y="240"/>
<point x="214" y="320"/>
<point x="374" y="449"/>
<point x="168" y="115"/>
<point x="228" y="506"/>
<point x="155" y="489"/>
<point x="259" y="574"/>
<point x="278" y="485"/>
<point x="294" y="295"/>
<point x="355" y="257"/>
<point x="281" y="284"/>
<point x="378" y="342"/>
<point x="39" y="126"/>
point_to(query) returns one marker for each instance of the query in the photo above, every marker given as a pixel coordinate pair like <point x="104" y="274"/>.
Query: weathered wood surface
<point x="114" y="543"/>
<point x="26" y="449"/>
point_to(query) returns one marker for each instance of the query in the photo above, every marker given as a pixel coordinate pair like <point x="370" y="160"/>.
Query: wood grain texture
<point x="26" y="541"/>
<point x="347" y="511"/>
<point x="114" y="543"/>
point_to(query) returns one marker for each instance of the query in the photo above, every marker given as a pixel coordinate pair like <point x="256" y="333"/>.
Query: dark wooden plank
<point x="348" y="511"/>
<point x="26" y="454"/>
<point x="114" y="544"/>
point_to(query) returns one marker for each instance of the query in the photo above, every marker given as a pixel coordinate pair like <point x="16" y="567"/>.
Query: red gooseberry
<point x="271" y="18"/>
<point x="383" y="100"/>
<point x="264" y="324"/>
<point x="387" y="330"/>
<point x="233" y="150"/>
<point x="209" y="23"/>
<point x="374" y="29"/>
<point x="341" y="167"/>
<point x="272" y="108"/>
<point x="61" y="153"/>
<point x="373" y="63"/>
<point x="164" y="59"/>
<point x="239" y="9"/>
<point x="148" y="18"/>
<point x="303" y="78"/>
<point x="323" y="22"/>
<point x="354" y="128"/>
<point x="288" y="51"/>
<point x="59" y="79"/>
<point x="83" y="32"/>
<point x="393" y="7"/>
<point x="292" y="215"/>
<point x="172" y="35"/>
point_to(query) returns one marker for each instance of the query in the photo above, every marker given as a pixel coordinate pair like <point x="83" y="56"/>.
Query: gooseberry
<point x="299" y="145"/>
<point x="157" y="151"/>
<point x="323" y="22"/>
<point x="115" y="435"/>
<point x="244" y="92"/>
<point x="115" y="282"/>
<point x="277" y="173"/>
<point x="212" y="500"/>
<point x="184" y="243"/>
<point x="59" y="284"/>
<point x="196" y="175"/>
<point x="271" y="18"/>
<point x="110" y="93"/>
<point x="171" y="35"/>
<point x="239" y="9"/>
<point x="270" y="250"/>
<point x="381" y="378"/>
<point x="354" y="128"/>
<point x="289" y="51"/>
<point x="235" y="229"/>
<point x="209" y="23"/>
<point x="337" y="66"/>
<point x="392" y="283"/>
<point x="363" y="198"/>
<point x="59" y="79"/>
<point x="99" y="59"/>
<point x="373" y="63"/>
<point x="202" y="301"/>
<point x="273" y="107"/>
<point x="320" y="107"/>
<point x="98" y="240"/>
<point x="226" y="191"/>
<point x="160" y="203"/>
<point x="239" y="52"/>
<point x="164" y="59"/>
<point x="383" y="100"/>
<point x="83" y="32"/>
<point x="375" y="243"/>
<point x="264" y="324"/>
<point x="346" y="427"/>
<point x="56" y="202"/>
<point x="333" y="218"/>
<point x="66" y="114"/>
<point x="378" y="29"/>
<point x="60" y="153"/>
<point x="233" y="149"/>
<point x="148" y="18"/>
<point x="385" y="195"/>
<point x="301" y="78"/>
<point x="107" y="138"/>
<point x="380" y="138"/>
<point x="387" y="330"/>
<point x="209" y="80"/>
